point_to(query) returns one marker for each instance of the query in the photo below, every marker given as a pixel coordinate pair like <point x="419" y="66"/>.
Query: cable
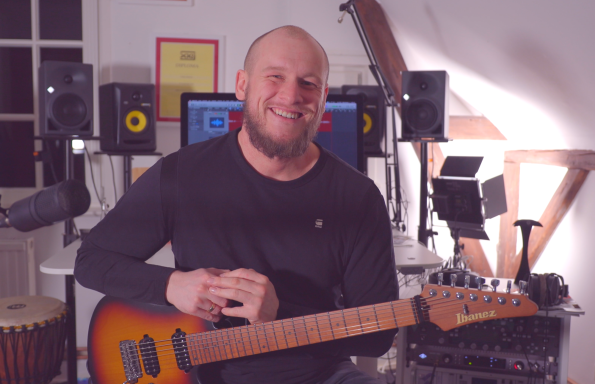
<point x="113" y="179"/>
<point x="92" y="175"/>
<point x="52" y="169"/>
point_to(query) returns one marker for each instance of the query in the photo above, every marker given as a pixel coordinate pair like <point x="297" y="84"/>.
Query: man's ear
<point x="241" y="83"/>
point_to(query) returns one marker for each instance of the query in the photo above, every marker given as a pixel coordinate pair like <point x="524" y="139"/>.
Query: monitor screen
<point x="208" y="115"/>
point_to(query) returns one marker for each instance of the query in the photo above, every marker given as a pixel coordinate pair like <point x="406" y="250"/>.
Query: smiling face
<point x="284" y="86"/>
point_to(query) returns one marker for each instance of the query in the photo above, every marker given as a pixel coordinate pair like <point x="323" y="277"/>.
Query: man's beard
<point x="261" y="140"/>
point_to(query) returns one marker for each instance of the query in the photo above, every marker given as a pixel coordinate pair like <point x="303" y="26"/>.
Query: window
<point x="32" y="31"/>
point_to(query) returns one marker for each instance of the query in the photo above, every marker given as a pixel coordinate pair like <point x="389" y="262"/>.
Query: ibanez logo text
<point x="461" y="318"/>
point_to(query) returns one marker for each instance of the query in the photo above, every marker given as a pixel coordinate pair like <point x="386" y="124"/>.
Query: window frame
<point x="89" y="45"/>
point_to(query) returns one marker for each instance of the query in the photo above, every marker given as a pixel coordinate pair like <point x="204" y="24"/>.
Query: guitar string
<point x="382" y="306"/>
<point x="349" y="312"/>
<point x="396" y="304"/>
<point x="301" y="327"/>
<point x="213" y="356"/>
<point x="361" y="329"/>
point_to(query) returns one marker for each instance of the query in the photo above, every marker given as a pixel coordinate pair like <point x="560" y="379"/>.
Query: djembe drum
<point x="32" y="339"/>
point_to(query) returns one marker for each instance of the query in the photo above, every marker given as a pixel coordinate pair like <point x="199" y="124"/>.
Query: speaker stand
<point x="423" y="232"/>
<point x="128" y="163"/>
<point x="69" y="237"/>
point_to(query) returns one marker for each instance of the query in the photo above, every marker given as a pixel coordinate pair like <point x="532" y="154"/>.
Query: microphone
<point x="61" y="201"/>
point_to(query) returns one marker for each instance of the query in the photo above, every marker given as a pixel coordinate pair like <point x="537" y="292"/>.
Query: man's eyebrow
<point x="281" y="69"/>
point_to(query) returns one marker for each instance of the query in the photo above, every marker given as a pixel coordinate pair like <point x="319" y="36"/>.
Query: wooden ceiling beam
<point x="473" y="128"/>
<point x="555" y="211"/>
<point x="582" y="159"/>
<point x="508" y="232"/>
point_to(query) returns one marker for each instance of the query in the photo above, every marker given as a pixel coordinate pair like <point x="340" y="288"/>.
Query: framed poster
<point x="184" y="65"/>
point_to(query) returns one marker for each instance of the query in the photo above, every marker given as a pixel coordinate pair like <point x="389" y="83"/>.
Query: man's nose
<point x="291" y="92"/>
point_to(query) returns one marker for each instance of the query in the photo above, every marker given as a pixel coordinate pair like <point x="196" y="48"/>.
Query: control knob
<point x="446" y="358"/>
<point x="519" y="365"/>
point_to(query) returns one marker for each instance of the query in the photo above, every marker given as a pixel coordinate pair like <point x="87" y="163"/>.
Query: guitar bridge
<point x="130" y="360"/>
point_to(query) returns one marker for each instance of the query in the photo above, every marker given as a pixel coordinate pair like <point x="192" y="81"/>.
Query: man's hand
<point x="250" y="288"/>
<point x="189" y="292"/>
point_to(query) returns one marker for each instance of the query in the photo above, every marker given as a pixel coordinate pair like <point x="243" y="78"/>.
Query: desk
<point x="62" y="263"/>
<point x="411" y="257"/>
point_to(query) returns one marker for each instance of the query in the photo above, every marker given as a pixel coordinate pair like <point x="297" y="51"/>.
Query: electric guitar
<point x="130" y="342"/>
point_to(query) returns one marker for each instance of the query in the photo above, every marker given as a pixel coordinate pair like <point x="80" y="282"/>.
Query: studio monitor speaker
<point x="65" y="99"/>
<point x="424" y="105"/>
<point x="374" y="116"/>
<point x="127" y="117"/>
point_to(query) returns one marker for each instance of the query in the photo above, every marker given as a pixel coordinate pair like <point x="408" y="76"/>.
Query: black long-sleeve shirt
<point x="323" y="240"/>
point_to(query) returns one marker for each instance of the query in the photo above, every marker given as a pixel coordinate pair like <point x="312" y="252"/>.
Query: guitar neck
<point x="224" y="344"/>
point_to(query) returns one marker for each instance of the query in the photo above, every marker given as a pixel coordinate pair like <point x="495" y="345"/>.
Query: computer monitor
<point x="208" y="115"/>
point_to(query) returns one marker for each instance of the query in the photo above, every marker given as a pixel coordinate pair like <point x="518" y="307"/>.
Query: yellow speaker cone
<point x="136" y="121"/>
<point x="368" y="121"/>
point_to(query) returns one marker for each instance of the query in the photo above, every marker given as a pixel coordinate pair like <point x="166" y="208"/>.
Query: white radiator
<point x="17" y="267"/>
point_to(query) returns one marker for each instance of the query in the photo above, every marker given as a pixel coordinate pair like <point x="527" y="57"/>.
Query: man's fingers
<point x="217" y="271"/>
<point x="239" y="283"/>
<point x="248" y="274"/>
<point x="232" y="294"/>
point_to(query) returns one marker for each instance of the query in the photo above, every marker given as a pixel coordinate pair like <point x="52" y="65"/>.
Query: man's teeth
<point x="289" y="115"/>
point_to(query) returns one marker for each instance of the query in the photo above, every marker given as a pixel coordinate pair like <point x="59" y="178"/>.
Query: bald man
<point x="266" y="225"/>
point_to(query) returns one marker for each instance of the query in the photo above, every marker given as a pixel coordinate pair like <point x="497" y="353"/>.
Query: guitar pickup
<point x="148" y="354"/>
<point x="130" y="360"/>
<point x="178" y="341"/>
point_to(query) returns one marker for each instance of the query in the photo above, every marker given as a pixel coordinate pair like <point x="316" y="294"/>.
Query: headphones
<point x="546" y="289"/>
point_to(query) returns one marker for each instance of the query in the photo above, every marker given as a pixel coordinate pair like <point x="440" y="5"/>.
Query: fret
<point x="191" y="340"/>
<point x="246" y="340"/>
<point x="207" y="346"/>
<point x="359" y="316"/>
<point x="236" y="341"/>
<point x="330" y="324"/>
<point x="376" y="316"/>
<point x="201" y="344"/>
<point x="217" y="346"/>
<point x="300" y="330"/>
<point x="266" y="346"/>
<point x="228" y="343"/>
<point x="387" y="319"/>
<point x="274" y="335"/>
<point x="285" y="334"/>
<point x="292" y="333"/>
<point x="312" y="329"/>
<point x="257" y="338"/>
<point x="352" y="321"/>
<point x="318" y="327"/>
<point x="339" y="331"/>
<point x="280" y="337"/>
<point x="392" y="307"/>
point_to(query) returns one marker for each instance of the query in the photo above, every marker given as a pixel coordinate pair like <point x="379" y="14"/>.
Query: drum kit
<point x="32" y="339"/>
